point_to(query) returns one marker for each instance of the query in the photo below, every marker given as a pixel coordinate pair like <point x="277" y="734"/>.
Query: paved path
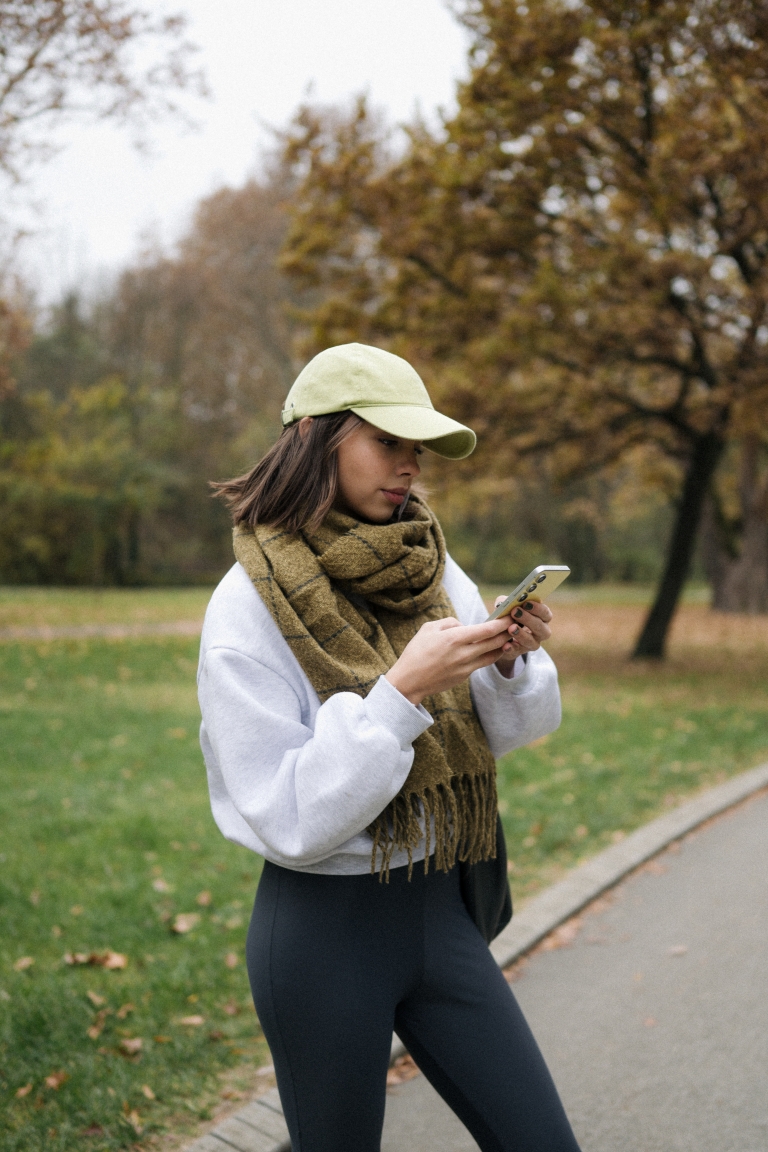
<point x="654" y="1017"/>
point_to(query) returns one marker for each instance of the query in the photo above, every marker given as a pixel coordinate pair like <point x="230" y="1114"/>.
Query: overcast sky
<point x="99" y="198"/>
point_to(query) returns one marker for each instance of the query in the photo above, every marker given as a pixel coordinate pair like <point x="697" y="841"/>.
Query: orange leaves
<point x="108" y="959"/>
<point x="23" y="1091"/>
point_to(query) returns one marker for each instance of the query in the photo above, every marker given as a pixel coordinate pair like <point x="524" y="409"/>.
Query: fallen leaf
<point x="93" y="1130"/>
<point x="678" y="950"/>
<point x="216" y="1034"/>
<point x="24" y="1091"/>
<point x="162" y="1039"/>
<point x="231" y="1008"/>
<point x="55" y="1080"/>
<point x="34" y="898"/>
<point x="131" y="1045"/>
<point x="56" y="932"/>
<point x="161" y="885"/>
<point x="176" y="733"/>
<point x="76" y="910"/>
<point x="403" y="1069"/>
<point x="123" y="1011"/>
<point x="563" y="936"/>
<point x="97" y="1027"/>
<point x="135" y="1121"/>
<point x="148" y="1092"/>
<point x="23" y="963"/>
<point x="109" y="959"/>
<point x="191" y="1021"/>
<point x="231" y="960"/>
<point x="233" y="922"/>
<point x="75" y="957"/>
<point x="185" y="922"/>
<point x="95" y="999"/>
<point x="204" y="899"/>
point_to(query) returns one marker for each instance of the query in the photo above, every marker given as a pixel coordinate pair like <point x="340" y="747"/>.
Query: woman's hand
<point x="528" y="626"/>
<point x="443" y="653"/>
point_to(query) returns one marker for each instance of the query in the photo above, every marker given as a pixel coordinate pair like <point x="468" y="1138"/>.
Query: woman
<point x="353" y="700"/>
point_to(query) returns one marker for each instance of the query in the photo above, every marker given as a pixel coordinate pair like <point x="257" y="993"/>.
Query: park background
<point x="573" y="254"/>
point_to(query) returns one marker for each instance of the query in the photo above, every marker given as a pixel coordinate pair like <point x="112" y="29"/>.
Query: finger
<point x="537" y="626"/>
<point x="537" y="609"/>
<point x="499" y="600"/>
<point x="476" y="633"/>
<point x="526" y="640"/>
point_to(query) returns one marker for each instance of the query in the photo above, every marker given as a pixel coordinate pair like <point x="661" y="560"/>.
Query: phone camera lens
<point x="531" y="587"/>
<point x="542" y="577"/>
<point x="523" y="597"/>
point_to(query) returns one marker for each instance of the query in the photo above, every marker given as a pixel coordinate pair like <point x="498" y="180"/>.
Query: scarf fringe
<point x="465" y="825"/>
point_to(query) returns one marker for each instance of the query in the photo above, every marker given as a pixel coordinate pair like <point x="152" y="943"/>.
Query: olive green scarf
<point x="347" y="599"/>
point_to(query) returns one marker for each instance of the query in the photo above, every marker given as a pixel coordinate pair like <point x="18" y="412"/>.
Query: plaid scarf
<point x="348" y="599"/>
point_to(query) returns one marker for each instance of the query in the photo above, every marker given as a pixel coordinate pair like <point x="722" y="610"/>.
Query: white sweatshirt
<point x="299" y="781"/>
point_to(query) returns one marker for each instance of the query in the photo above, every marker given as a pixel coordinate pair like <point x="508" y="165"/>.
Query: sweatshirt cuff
<point x="386" y="706"/>
<point x="521" y="682"/>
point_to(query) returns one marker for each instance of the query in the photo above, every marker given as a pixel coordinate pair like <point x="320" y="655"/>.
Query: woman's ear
<point x="304" y="424"/>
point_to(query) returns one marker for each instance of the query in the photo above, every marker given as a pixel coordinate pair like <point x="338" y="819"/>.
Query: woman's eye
<point x="419" y="451"/>
<point x="388" y="443"/>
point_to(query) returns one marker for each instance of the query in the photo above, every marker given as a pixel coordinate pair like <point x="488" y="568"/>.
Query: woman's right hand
<point x="443" y="653"/>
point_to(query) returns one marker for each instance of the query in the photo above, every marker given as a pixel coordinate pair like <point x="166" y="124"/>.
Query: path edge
<point x="259" y="1127"/>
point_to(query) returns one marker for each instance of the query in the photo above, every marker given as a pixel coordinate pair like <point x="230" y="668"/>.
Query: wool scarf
<point x="348" y="598"/>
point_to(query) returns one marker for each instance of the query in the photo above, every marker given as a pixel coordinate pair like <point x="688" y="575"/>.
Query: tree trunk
<point x="704" y="459"/>
<point x="740" y="574"/>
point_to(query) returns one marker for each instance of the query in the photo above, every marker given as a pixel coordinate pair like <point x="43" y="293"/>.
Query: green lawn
<point x="107" y="837"/>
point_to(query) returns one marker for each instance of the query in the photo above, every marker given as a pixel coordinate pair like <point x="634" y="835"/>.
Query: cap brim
<point x="437" y="432"/>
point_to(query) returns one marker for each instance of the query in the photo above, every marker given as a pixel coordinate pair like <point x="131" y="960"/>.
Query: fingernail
<point x="514" y="629"/>
<point x="518" y="613"/>
<point x="506" y="648"/>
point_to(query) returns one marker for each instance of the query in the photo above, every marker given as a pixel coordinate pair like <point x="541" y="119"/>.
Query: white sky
<point x="99" y="198"/>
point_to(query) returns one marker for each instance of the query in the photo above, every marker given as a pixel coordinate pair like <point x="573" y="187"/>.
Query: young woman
<point x="353" y="702"/>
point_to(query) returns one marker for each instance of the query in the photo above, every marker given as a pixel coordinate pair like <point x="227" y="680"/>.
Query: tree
<point x="61" y="58"/>
<point x="577" y="259"/>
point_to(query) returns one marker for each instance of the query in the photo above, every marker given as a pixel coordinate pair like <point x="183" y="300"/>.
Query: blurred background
<point x="559" y="214"/>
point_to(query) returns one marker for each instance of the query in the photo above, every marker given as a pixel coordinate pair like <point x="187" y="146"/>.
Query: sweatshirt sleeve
<point x="304" y="791"/>
<point x="516" y="711"/>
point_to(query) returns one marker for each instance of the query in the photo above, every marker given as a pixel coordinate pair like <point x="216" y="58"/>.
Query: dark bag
<point x="485" y="890"/>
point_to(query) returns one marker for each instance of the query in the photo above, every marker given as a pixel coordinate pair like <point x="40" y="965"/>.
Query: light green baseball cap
<point x="381" y="388"/>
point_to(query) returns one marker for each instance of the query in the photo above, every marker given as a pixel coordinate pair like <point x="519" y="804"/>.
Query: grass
<point x="56" y="607"/>
<point x="108" y="836"/>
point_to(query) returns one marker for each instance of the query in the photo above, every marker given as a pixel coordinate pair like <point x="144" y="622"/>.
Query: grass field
<point x="108" y="839"/>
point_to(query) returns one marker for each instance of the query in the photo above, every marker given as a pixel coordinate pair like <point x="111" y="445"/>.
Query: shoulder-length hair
<point x="295" y="484"/>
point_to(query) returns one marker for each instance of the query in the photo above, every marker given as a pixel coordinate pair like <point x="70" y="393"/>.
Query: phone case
<point x="545" y="578"/>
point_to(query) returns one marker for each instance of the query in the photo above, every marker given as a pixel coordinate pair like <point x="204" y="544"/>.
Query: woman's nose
<point x="410" y="465"/>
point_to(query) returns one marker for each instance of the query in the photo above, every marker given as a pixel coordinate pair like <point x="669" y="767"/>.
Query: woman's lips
<point x="395" y="495"/>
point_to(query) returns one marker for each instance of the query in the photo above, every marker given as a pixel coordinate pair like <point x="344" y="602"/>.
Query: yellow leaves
<point x="204" y="899"/>
<point x="184" y="922"/>
<point x="95" y="999"/>
<point x="231" y="960"/>
<point x="191" y="1021"/>
<point x="161" y="885"/>
<point x="23" y="963"/>
<point x="147" y="1091"/>
<point x="123" y="1011"/>
<point x="76" y="910"/>
<point x="34" y="898"/>
<point x="23" y="1091"/>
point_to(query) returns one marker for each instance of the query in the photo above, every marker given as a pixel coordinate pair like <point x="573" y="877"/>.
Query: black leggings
<point x="337" y="962"/>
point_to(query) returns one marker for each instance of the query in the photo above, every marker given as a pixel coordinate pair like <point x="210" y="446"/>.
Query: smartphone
<point x="543" y="579"/>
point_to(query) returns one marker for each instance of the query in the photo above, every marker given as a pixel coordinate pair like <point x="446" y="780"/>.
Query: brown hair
<point x="294" y="485"/>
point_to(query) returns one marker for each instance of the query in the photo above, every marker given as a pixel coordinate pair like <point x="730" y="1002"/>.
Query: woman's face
<point x="375" y="472"/>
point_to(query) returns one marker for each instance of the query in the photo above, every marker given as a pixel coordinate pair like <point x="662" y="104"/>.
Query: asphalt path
<point x="651" y="1007"/>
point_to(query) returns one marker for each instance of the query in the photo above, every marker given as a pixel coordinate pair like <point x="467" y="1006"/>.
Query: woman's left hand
<point x="528" y="628"/>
